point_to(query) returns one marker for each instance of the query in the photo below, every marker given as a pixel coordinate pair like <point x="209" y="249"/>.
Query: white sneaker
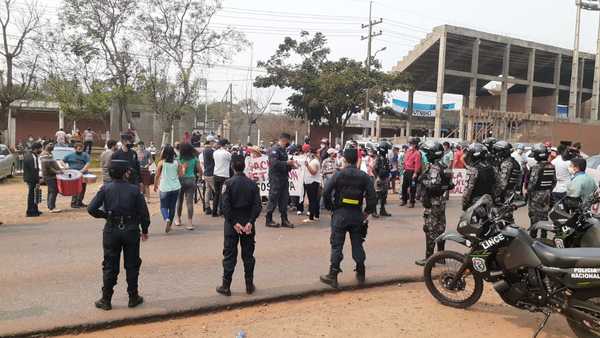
<point x="298" y="213"/>
<point x="190" y="227"/>
<point x="308" y="220"/>
<point x="55" y="211"/>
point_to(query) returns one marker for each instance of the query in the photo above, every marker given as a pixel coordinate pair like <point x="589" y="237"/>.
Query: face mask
<point x="79" y="152"/>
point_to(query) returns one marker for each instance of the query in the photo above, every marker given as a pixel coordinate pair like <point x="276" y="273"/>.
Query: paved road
<point x="51" y="272"/>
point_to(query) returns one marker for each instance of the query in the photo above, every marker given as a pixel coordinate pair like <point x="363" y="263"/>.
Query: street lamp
<point x="379" y="50"/>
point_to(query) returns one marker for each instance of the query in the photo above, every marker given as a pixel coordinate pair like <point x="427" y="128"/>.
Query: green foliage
<point x="76" y="103"/>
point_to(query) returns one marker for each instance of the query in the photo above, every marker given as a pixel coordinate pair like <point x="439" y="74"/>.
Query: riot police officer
<point x="344" y="194"/>
<point x="435" y="180"/>
<point x="542" y="179"/>
<point x="490" y="157"/>
<point x="126" y="213"/>
<point x="509" y="175"/>
<point x="241" y="206"/>
<point x="481" y="176"/>
<point x="126" y="153"/>
<point x="279" y="193"/>
<point x="381" y="170"/>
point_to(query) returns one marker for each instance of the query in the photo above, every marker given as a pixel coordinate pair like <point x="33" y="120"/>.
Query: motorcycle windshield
<point x="474" y="218"/>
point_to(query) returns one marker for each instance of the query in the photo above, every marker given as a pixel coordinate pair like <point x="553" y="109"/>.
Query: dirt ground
<point x="13" y="203"/>
<point x="405" y="310"/>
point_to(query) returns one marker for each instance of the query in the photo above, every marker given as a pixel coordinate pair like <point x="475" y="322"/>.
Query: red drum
<point x="70" y="183"/>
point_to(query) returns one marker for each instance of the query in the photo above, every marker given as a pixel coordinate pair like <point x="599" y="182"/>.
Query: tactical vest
<point x="486" y="180"/>
<point x="546" y="175"/>
<point x="350" y="190"/>
<point x="515" y="176"/>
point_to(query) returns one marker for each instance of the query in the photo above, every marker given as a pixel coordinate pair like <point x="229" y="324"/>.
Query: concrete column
<point x="61" y="119"/>
<point x="11" y="130"/>
<point x="472" y="92"/>
<point x="505" y="68"/>
<point x="411" y="103"/>
<point x="441" y="76"/>
<point x="574" y="67"/>
<point x="557" y="70"/>
<point x="530" y="78"/>
<point x="580" y="88"/>
<point x="596" y="87"/>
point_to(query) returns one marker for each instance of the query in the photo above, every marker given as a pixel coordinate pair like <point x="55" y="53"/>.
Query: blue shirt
<point x="77" y="161"/>
<point x="582" y="186"/>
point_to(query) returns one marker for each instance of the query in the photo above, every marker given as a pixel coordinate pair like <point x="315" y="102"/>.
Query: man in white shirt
<point x="563" y="177"/>
<point x="221" y="172"/>
<point x="61" y="137"/>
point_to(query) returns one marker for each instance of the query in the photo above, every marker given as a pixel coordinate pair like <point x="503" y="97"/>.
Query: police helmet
<point x="502" y="149"/>
<point x="539" y="152"/>
<point x="570" y="153"/>
<point x="475" y="153"/>
<point x="489" y="142"/>
<point x="433" y="150"/>
<point x="384" y="147"/>
<point x="292" y="149"/>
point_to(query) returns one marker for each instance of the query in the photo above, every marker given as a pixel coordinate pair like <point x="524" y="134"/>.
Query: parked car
<point x="8" y="162"/>
<point x="593" y="162"/>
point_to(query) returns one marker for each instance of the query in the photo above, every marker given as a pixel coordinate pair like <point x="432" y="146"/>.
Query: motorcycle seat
<point x="567" y="258"/>
<point x="544" y="225"/>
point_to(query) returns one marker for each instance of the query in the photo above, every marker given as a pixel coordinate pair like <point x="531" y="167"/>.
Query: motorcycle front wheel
<point x="441" y="271"/>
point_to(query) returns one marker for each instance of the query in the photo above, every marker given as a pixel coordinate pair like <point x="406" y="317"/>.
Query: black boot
<point x="104" y="302"/>
<point x="286" y="224"/>
<point x="224" y="289"/>
<point x="135" y="299"/>
<point x="384" y="213"/>
<point x="250" y="288"/>
<point x="428" y="253"/>
<point x="331" y="278"/>
<point x="270" y="222"/>
<point x="360" y="274"/>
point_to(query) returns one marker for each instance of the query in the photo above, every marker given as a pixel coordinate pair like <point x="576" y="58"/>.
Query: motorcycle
<point x="526" y="273"/>
<point x="572" y="229"/>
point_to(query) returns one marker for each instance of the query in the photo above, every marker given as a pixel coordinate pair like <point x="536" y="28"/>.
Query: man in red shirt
<point x="412" y="169"/>
<point x="459" y="162"/>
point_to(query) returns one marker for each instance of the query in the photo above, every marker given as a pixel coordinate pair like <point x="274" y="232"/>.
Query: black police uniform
<point x="481" y="181"/>
<point x="134" y="164"/>
<point x="279" y="186"/>
<point x="344" y="194"/>
<point x="241" y="204"/>
<point x="126" y="213"/>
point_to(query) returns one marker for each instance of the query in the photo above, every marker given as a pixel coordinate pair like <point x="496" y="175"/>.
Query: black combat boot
<point x="270" y="222"/>
<point x="224" y="289"/>
<point x="360" y="274"/>
<point x="250" y="288"/>
<point x="331" y="278"/>
<point x="384" y="213"/>
<point x="104" y="302"/>
<point x="286" y="224"/>
<point x="135" y="299"/>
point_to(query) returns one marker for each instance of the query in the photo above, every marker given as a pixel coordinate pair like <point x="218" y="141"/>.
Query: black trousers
<point x="114" y="241"/>
<point x="219" y="181"/>
<point x="77" y="200"/>
<point x="312" y="190"/>
<point x="409" y="187"/>
<point x="87" y="147"/>
<point x="343" y="222"/>
<point x="279" y="194"/>
<point x="230" y="253"/>
<point x="32" y="207"/>
<point x="52" y="192"/>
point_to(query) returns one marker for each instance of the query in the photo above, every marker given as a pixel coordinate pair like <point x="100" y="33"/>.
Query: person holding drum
<point x="79" y="160"/>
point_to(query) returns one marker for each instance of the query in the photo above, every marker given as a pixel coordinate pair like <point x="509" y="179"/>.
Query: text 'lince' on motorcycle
<point x="526" y="273"/>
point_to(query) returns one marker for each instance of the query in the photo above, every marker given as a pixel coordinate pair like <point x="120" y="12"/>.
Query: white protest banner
<point x="459" y="178"/>
<point x="257" y="169"/>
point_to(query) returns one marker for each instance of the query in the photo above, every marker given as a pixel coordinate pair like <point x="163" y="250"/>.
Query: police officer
<point x="509" y="175"/>
<point x="241" y="206"/>
<point x="542" y="179"/>
<point x="126" y="153"/>
<point x="125" y="210"/>
<point x="481" y="176"/>
<point x="436" y="180"/>
<point x="490" y="157"/>
<point x="381" y="169"/>
<point x="344" y="194"/>
<point x="279" y="192"/>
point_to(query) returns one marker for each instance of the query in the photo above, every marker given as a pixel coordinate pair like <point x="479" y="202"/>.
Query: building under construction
<point x="512" y="89"/>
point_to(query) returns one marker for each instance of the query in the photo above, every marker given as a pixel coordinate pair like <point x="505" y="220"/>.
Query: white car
<point x="8" y="162"/>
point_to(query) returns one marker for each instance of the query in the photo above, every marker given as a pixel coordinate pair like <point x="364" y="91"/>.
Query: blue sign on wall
<point x="419" y="109"/>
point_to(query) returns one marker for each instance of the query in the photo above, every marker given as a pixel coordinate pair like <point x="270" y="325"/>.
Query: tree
<point x="18" y="75"/>
<point x="330" y="91"/>
<point x="105" y="26"/>
<point x="179" y="32"/>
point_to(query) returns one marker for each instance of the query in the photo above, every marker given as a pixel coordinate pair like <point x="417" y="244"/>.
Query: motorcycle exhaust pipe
<point x="501" y="286"/>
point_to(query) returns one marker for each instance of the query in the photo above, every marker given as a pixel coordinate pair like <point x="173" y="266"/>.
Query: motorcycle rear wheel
<point x="580" y="329"/>
<point x="438" y="280"/>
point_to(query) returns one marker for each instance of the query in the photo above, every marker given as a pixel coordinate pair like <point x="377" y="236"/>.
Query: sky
<point x="405" y="23"/>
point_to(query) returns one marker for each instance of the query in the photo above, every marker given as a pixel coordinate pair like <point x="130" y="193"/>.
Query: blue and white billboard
<point x="419" y="109"/>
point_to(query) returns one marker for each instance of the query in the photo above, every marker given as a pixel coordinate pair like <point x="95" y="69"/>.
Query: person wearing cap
<point x="209" y="169"/>
<point x="124" y="208"/>
<point x="126" y="153"/>
<point x="279" y="193"/>
<point x="344" y="195"/>
<point x="221" y="173"/>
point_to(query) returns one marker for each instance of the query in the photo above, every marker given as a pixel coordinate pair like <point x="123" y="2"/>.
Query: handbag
<point x="38" y="197"/>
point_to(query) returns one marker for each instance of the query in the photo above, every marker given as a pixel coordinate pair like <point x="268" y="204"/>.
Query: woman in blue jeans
<point x="167" y="175"/>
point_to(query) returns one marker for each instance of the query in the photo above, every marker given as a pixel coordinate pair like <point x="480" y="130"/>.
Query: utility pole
<point x="596" y="86"/>
<point x="369" y="37"/>
<point x="575" y="66"/>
